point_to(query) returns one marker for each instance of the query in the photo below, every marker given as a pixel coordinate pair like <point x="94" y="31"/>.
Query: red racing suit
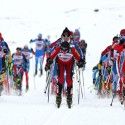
<point x="65" y="62"/>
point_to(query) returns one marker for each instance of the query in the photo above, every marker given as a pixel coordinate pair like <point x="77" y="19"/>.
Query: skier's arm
<point x="75" y="54"/>
<point x="33" y="40"/>
<point x="54" y="44"/>
<point x="54" y="53"/>
<point x="51" y="57"/>
<point x="32" y="51"/>
<point x="79" y="51"/>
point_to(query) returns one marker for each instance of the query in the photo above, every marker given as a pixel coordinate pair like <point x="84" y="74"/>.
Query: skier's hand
<point x="31" y="41"/>
<point x="5" y="51"/>
<point x="81" y="63"/>
<point x="47" y="67"/>
<point x="32" y="50"/>
<point x="49" y="61"/>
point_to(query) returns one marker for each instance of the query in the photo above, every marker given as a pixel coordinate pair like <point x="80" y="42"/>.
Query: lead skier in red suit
<point x="65" y="57"/>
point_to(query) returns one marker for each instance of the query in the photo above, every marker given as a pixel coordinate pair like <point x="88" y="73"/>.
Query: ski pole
<point x="80" y="83"/>
<point x="7" y="73"/>
<point x="112" y="99"/>
<point x="48" y="84"/>
<point x="79" y="93"/>
<point x="83" y="82"/>
<point x="47" y="80"/>
<point x="80" y="87"/>
<point x="34" y="82"/>
<point x="49" y="88"/>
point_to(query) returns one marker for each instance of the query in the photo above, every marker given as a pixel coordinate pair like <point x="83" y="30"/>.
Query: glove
<point x="31" y="41"/>
<point x="47" y="67"/>
<point x="94" y="68"/>
<point x="31" y="49"/>
<point x="5" y="51"/>
<point x="80" y="63"/>
<point x="49" y="61"/>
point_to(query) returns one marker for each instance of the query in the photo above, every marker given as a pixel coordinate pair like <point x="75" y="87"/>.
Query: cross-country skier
<point x="65" y="36"/>
<point x="76" y="35"/>
<point x="27" y="53"/>
<point x="19" y="64"/>
<point x="47" y="42"/>
<point x="83" y="47"/>
<point x="39" y="52"/>
<point x="65" y="56"/>
<point x="5" y="62"/>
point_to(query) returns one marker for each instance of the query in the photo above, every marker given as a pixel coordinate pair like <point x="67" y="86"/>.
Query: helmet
<point x="76" y="34"/>
<point x="122" y="32"/>
<point x="65" y="46"/>
<point x="39" y="36"/>
<point x="25" y="46"/>
<point x="115" y="39"/>
<point x="66" y="32"/>
<point x="18" y="49"/>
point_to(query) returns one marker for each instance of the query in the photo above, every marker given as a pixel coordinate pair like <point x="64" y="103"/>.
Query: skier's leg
<point x="1" y="84"/>
<point x="27" y="75"/>
<point x="58" y="96"/>
<point x="1" y="88"/>
<point x="69" y="81"/>
<point x="36" y="65"/>
<point x="41" y="64"/>
<point x="60" y="84"/>
<point x="27" y="80"/>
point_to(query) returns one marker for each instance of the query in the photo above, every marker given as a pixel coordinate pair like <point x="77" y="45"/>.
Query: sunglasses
<point x="66" y="36"/>
<point x="18" y="49"/>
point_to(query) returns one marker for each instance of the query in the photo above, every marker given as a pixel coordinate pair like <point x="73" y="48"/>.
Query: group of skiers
<point x="109" y="73"/>
<point x="61" y="57"/>
<point x="14" y="66"/>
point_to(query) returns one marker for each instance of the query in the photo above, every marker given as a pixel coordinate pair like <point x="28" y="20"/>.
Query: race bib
<point x="18" y="59"/>
<point x="65" y="56"/>
<point x="27" y="54"/>
<point x="39" y="45"/>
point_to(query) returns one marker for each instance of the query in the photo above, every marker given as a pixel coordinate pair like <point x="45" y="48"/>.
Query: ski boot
<point x="27" y="88"/>
<point x="35" y="73"/>
<point x="18" y="85"/>
<point x="123" y="98"/>
<point x="41" y="72"/>
<point x="59" y="97"/>
<point x="69" y="100"/>
<point x="69" y="96"/>
<point x="1" y="88"/>
<point x="58" y="100"/>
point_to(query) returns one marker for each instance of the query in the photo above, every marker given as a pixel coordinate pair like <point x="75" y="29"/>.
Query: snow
<point x="22" y="20"/>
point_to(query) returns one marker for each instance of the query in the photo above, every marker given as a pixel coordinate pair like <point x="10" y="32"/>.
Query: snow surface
<point x="21" y="20"/>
